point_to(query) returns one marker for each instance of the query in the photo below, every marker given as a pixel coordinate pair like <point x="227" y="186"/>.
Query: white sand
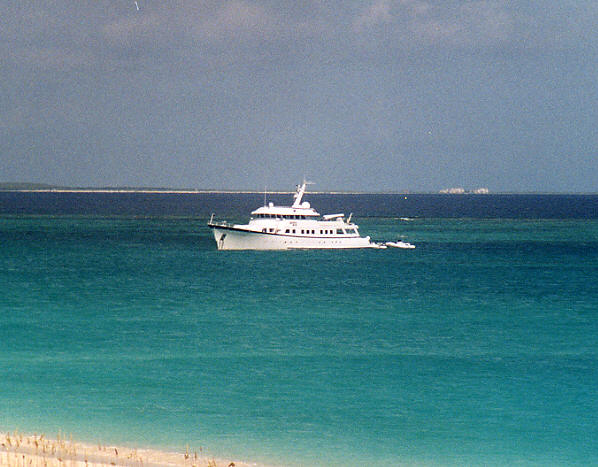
<point x="20" y="450"/>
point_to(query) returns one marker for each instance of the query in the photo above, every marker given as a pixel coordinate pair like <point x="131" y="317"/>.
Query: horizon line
<point x="157" y="190"/>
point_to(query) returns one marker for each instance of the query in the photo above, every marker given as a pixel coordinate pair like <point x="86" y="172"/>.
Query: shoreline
<point x="208" y="191"/>
<point x="21" y="450"/>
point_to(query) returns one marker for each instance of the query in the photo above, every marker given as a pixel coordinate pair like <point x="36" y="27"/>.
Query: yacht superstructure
<point x="298" y="226"/>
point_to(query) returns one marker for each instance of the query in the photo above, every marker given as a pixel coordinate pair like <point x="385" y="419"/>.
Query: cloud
<point x="377" y="13"/>
<point x="382" y="12"/>
<point x="209" y="30"/>
<point x="415" y="23"/>
<point x="237" y="20"/>
<point x="239" y="17"/>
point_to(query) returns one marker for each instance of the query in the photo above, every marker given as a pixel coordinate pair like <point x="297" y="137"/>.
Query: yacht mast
<point x="300" y="192"/>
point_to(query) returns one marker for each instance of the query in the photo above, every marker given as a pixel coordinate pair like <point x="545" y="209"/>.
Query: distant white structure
<point x="462" y="191"/>
<point x="453" y="191"/>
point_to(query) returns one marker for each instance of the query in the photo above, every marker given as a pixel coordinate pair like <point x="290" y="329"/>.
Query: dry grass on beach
<point x="19" y="450"/>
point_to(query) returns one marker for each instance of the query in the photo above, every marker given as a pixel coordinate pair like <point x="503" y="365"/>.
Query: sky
<point x="370" y="95"/>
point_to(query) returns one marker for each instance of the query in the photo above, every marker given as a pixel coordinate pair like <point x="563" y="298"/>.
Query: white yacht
<point x="290" y="227"/>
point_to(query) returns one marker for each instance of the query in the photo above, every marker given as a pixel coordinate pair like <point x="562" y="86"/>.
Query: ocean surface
<point x="120" y="322"/>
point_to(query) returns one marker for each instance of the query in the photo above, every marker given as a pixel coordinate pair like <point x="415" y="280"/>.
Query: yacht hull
<point x="232" y="238"/>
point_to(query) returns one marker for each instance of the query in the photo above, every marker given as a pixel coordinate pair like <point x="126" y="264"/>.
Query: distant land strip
<point x="41" y="187"/>
<point x="46" y="188"/>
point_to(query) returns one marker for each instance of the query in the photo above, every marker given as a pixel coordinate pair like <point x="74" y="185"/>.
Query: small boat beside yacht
<point x="400" y="244"/>
<point x="298" y="226"/>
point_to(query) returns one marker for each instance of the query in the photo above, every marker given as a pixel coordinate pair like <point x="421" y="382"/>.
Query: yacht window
<point x="271" y="230"/>
<point x="302" y="231"/>
<point x="339" y="231"/>
<point x="286" y="231"/>
<point x="351" y="231"/>
<point x="313" y="232"/>
<point x="264" y="230"/>
<point x="293" y="230"/>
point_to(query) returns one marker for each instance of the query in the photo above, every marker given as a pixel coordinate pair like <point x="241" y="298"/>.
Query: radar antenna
<point x="300" y="192"/>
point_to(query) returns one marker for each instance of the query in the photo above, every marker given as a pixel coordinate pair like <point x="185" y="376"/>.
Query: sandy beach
<point x="22" y="450"/>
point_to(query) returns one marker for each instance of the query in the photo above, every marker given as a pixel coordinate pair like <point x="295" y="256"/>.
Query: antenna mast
<point x="300" y="192"/>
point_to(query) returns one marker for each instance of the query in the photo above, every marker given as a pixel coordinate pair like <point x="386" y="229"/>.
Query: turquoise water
<point x="478" y="347"/>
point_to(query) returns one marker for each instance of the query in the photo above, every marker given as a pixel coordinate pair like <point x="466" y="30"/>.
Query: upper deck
<point x="286" y="212"/>
<point x="299" y="210"/>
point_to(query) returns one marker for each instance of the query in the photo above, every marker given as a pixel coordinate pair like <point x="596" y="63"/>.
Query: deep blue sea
<point x="121" y="323"/>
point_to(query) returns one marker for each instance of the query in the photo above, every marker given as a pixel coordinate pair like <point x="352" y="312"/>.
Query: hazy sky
<point x="366" y="95"/>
